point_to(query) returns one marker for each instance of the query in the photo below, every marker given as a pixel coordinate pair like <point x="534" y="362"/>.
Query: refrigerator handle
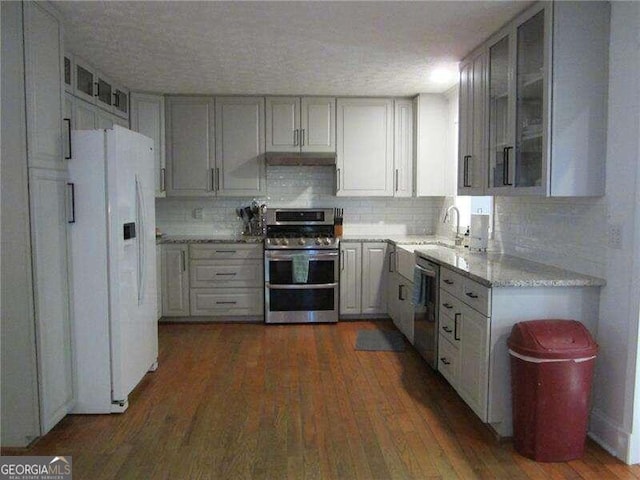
<point x="140" y="213"/>
<point x="72" y="202"/>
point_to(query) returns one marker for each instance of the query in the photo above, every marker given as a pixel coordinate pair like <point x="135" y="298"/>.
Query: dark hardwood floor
<point x="254" y="401"/>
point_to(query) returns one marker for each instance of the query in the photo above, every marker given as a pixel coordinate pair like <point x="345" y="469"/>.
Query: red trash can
<point x="551" y="372"/>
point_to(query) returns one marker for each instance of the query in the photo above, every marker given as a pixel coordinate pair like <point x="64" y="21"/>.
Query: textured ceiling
<point x="313" y="48"/>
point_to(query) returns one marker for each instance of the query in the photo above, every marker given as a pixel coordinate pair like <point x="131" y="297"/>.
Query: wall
<point x="573" y="233"/>
<point x="291" y="186"/>
<point x="19" y="393"/>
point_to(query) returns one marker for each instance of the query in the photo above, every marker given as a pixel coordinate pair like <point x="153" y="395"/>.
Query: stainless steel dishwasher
<point x="425" y="317"/>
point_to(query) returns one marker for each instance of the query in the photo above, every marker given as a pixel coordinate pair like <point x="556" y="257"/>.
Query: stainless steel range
<point x="301" y="266"/>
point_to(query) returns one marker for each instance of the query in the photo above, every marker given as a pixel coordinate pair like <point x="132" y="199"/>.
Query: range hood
<point x="297" y="158"/>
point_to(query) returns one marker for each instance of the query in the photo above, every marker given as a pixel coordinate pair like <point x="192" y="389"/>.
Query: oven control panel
<point x="302" y="242"/>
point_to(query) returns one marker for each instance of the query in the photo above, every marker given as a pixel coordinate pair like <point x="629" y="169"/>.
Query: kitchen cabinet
<point x="363" y="278"/>
<point x="472" y="122"/>
<point x="86" y="116"/>
<point x="43" y="86"/>
<point x="89" y="84"/>
<point x="304" y="124"/>
<point x="190" y="152"/>
<point x="463" y="339"/>
<point x="215" y="147"/>
<point x="435" y="172"/>
<point x="227" y="280"/>
<point x="350" y="278"/>
<point x="158" y="281"/>
<point x="239" y="146"/>
<point x="50" y="217"/>
<point x="403" y="149"/>
<point x="364" y="147"/>
<point x="175" y="280"/>
<point x="147" y="118"/>
<point x="544" y="120"/>
<point x="475" y="322"/>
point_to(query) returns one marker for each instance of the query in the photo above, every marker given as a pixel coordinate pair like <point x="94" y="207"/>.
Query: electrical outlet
<point x="615" y="236"/>
<point x="197" y="213"/>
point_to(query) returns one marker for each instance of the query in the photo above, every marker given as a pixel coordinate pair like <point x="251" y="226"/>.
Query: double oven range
<point x="301" y="266"/>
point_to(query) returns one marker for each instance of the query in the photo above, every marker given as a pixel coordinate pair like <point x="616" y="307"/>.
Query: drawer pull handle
<point x="455" y="326"/>
<point x="226" y="303"/>
<point x="445" y="361"/>
<point x="225" y="251"/>
<point x="224" y="274"/>
<point x="447" y="329"/>
<point x="448" y="282"/>
<point x="447" y="305"/>
<point x="471" y="295"/>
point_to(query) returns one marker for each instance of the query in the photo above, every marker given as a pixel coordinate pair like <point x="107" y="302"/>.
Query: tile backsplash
<point x="301" y="187"/>
<point x="566" y="232"/>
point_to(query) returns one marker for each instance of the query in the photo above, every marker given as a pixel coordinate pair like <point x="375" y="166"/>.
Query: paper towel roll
<point x="479" y="231"/>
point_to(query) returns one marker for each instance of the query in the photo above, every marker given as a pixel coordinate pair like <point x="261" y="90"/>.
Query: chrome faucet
<point x="458" y="239"/>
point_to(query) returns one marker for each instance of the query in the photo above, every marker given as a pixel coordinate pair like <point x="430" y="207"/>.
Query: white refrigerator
<point x="113" y="266"/>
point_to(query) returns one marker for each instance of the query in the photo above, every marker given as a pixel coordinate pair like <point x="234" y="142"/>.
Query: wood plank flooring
<point x="298" y="401"/>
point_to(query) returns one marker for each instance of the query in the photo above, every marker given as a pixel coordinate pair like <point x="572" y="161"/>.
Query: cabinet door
<point x="147" y="118"/>
<point x="405" y="292"/>
<point x="318" y="124"/>
<point x="121" y="101"/>
<point x="69" y="124"/>
<point x="49" y="223"/>
<point x="365" y="147"/>
<point x="104" y="92"/>
<point x="68" y="73"/>
<point x="472" y="162"/>
<point x="104" y="120"/>
<point x="473" y="384"/>
<point x="283" y="124"/>
<point x="374" y="277"/>
<point x="159" y="281"/>
<point x="85" y="78"/>
<point x="190" y="146"/>
<point x="529" y="160"/>
<point x="175" y="281"/>
<point x="393" y="298"/>
<point x="501" y="142"/>
<point x="240" y="167"/>
<point x="350" y="278"/>
<point x="403" y="158"/>
<point x="43" y="84"/>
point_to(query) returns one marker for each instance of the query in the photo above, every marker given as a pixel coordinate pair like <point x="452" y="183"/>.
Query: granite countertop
<point x="499" y="270"/>
<point x="208" y="239"/>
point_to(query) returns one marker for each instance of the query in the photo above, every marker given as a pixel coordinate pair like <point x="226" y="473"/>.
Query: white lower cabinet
<point x="475" y="322"/>
<point x="50" y="248"/>
<point x="226" y="280"/>
<point x="175" y="280"/>
<point x="363" y="278"/>
<point x="159" y="281"/>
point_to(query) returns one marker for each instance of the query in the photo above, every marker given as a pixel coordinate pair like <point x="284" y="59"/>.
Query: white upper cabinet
<point x="43" y="83"/>
<point x="403" y="155"/>
<point x="239" y="165"/>
<point x="547" y="89"/>
<point x="472" y="123"/>
<point x="190" y="146"/>
<point x="147" y="118"/>
<point x="297" y="124"/>
<point x="365" y="147"/>
<point x="434" y="128"/>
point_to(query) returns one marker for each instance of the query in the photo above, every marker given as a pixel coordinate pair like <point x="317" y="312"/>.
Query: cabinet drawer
<point x="448" y="360"/>
<point x="476" y="296"/>
<point x="225" y="273"/>
<point x="235" y="251"/>
<point x="406" y="262"/>
<point x="451" y="281"/>
<point x="449" y="305"/>
<point x="223" y="301"/>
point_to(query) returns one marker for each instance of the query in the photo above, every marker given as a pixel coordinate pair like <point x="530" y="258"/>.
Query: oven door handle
<point x="287" y="257"/>
<point x="424" y="271"/>
<point x="302" y="286"/>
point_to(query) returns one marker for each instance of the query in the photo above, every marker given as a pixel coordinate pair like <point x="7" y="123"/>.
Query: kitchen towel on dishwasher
<point x="300" y="268"/>
<point x="419" y="295"/>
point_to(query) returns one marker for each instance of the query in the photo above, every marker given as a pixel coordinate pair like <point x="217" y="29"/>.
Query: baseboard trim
<point x="609" y="436"/>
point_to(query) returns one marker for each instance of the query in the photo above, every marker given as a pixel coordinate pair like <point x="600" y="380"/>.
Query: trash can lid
<point x="552" y="339"/>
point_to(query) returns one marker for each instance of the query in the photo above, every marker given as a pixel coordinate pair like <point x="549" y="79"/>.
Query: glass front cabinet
<point x="546" y="102"/>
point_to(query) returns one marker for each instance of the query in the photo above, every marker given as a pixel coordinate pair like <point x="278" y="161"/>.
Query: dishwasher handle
<point x="426" y="272"/>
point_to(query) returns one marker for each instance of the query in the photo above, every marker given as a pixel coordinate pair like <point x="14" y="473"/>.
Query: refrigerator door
<point x="132" y="268"/>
